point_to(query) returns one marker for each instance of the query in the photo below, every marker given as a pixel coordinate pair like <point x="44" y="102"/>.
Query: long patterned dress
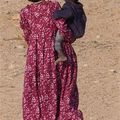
<point x="50" y="92"/>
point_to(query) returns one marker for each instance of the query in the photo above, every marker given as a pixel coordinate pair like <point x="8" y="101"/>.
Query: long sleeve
<point x="25" y="26"/>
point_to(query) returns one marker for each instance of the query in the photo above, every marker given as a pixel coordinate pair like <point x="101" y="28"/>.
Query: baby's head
<point x="34" y="0"/>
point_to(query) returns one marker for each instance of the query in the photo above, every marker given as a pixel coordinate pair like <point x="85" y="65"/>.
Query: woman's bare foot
<point x="62" y="58"/>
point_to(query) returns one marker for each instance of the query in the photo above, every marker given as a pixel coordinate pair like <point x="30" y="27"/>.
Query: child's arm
<point x="65" y="12"/>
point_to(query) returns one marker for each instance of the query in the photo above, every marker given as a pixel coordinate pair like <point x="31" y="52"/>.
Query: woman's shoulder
<point x="55" y="3"/>
<point x="25" y="10"/>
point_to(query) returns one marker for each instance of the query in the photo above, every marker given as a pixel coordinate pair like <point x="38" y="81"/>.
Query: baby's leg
<point x="58" y="40"/>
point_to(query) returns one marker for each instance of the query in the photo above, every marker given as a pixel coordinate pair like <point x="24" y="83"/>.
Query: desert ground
<point x="98" y="54"/>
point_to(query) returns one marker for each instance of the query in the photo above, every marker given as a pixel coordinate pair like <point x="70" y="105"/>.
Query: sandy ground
<point x="98" y="59"/>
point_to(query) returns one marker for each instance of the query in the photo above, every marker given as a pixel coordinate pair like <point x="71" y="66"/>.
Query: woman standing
<point x="50" y="92"/>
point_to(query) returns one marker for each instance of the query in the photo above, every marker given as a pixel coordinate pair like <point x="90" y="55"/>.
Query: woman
<point x="50" y="92"/>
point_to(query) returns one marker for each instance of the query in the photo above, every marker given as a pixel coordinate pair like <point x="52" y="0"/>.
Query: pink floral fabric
<point x="50" y="92"/>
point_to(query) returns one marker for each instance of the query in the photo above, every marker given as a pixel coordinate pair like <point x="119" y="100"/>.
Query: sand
<point x="98" y="54"/>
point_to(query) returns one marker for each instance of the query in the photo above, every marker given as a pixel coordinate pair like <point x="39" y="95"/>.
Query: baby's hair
<point x="34" y="0"/>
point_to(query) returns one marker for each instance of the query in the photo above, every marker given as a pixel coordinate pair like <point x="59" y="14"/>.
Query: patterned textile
<point x="50" y="92"/>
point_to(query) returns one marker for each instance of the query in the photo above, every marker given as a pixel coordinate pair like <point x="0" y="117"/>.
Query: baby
<point x="73" y="13"/>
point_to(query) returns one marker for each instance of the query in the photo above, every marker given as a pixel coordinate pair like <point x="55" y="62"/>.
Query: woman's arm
<point x="24" y="24"/>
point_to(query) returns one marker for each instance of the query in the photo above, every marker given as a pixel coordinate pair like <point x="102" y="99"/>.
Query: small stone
<point x="20" y="46"/>
<point x="8" y="13"/>
<point x="85" y="65"/>
<point x="98" y="36"/>
<point x="12" y="86"/>
<point x="25" y="55"/>
<point x="114" y="71"/>
<point x="6" y="1"/>
<point x="15" y="17"/>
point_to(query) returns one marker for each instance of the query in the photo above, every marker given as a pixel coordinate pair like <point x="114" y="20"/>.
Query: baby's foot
<point x="62" y="58"/>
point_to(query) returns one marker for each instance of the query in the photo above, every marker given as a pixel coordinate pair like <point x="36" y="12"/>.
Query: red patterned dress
<point x="50" y="92"/>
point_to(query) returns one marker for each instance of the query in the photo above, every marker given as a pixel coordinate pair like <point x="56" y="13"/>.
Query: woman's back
<point x="40" y="95"/>
<point x="38" y="17"/>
